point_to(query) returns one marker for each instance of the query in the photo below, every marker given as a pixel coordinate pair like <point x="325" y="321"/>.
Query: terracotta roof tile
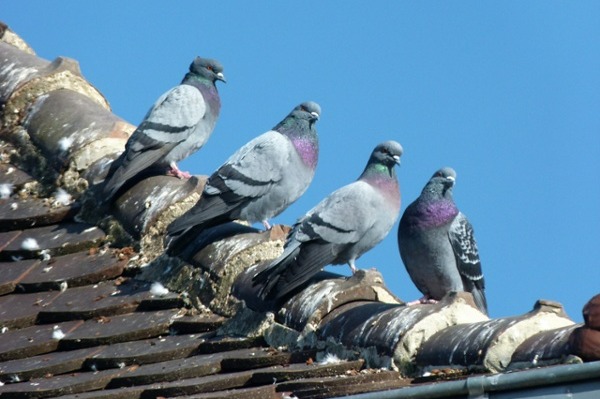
<point x="22" y="310"/>
<point x="75" y="270"/>
<point x="56" y="239"/>
<point x="59" y="385"/>
<point x="35" y="340"/>
<point x="147" y="351"/>
<point x="45" y="365"/>
<point x="104" y="299"/>
<point x="32" y="212"/>
<point x="114" y="329"/>
<point x="11" y="273"/>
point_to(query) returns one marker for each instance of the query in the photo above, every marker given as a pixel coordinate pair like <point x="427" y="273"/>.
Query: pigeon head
<point x="387" y="153"/>
<point x="381" y="163"/>
<point x="447" y="173"/>
<point x="442" y="182"/>
<point x="207" y="68"/>
<point x="300" y="120"/>
<point x="309" y="110"/>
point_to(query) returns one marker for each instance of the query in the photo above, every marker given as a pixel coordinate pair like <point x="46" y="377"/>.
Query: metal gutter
<point x="485" y="386"/>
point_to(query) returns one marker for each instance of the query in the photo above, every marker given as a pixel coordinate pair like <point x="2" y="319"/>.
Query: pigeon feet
<point x="426" y="299"/>
<point x="174" y="171"/>
<point x="353" y="268"/>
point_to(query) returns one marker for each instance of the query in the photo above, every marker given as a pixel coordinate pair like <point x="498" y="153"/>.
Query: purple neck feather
<point x="435" y="213"/>
<point x="307" y="149"/>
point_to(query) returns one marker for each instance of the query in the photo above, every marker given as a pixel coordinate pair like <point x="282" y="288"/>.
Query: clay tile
<point x="489" y="345"/>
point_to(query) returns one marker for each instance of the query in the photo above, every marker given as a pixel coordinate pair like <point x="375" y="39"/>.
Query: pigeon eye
<point x="209" y="67"/>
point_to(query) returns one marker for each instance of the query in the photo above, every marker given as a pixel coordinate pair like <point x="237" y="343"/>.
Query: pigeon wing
<point x="169" y="122"/>
<point x="462" y="238"/>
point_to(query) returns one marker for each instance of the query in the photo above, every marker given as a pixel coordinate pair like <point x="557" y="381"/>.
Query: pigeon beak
<point x="397" y="159"/>
<point x="221" y="77"/>
<point x="315" y="115"/>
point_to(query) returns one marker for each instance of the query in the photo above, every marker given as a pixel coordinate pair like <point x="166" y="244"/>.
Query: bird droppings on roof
<point x="90" y="306"/>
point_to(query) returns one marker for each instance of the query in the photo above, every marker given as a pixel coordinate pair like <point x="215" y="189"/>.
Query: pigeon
<point x="178" y="124"/>
<point x="338" y="230"/>
<point x="437" y="244"/>
<point x="257" y="182"/>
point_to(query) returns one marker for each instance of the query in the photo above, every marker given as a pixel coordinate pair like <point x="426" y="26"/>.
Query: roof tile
<point x="57" y="239"/>
<point x="75" y="270"/>
<point x="171" y="370"/>
<point x="32" y="212"/>
<point x="47" y="364"/>
<point x="21" y="310"/>
<point x="128" y="327"/>
<point x="147" y="351"/>
<point x="108" y="298"/>
<point x="11" y="274"/>
<point x="31" y="341"/>
<point x="59" y="385"/>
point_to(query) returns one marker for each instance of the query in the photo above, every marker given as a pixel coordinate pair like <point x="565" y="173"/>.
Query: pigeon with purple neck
<point x="178" y="124"/>
<point x="437" y="244"/>
<point x="258" y="182"/>
<point x="342" y="227"/>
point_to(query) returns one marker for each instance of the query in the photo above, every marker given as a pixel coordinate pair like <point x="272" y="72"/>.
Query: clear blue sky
<point x="507" y="93"/>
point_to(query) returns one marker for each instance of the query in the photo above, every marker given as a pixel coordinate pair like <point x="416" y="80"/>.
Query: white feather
<point x="330" y="358"/>
<point x="6" y="190"/>
<point x="65" y="143"/>
<point x="30" y="244"/>
<point x="57" y="333"/>
<point x="61" y="197"/>
<point x="157" y="289"/>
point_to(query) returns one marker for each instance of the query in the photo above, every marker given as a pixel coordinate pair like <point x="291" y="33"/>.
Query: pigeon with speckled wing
<point x="342" y="227"/>
<point x="178" y="124"/>
<point x="437" y="244"/>
<point x="258" y="181"/>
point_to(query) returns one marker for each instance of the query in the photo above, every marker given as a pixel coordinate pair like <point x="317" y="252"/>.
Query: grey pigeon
<point x="342" y="227"/>
<point x="178" y="124"/>
<point x="437" y="244"/>
<point x="258" y="181"/>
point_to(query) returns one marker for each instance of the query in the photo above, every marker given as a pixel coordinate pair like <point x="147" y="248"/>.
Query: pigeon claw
<point x="174" y="171"/>
<point x="425" y="299"/>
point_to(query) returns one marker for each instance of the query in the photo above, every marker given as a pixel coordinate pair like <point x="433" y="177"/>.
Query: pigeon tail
<point x="480" y="301"/>
<point x="294" y="268"/>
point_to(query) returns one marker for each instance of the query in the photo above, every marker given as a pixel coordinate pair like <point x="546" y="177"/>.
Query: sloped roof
<point x="84" y="311"/>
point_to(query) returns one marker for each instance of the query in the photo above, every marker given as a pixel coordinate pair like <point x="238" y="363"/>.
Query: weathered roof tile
<point x="489" y="345"/>
<point x="59" y="385"/>
<point x="171" y="370"/>
<point x="11" y="274"/>
<point x="349" y="383"/>
<point x="104" y="299"/>
<point x="35" y="340"/>
<point x="21" y="310"/>
<point x="545" y="348"/>
<point x="32" y="212"/>
<point x="75" y="270"/>
<point x="191" y="386"/>
<point x="129" y="327"/>
<point x="301" y="370"/>
<point x="54" y="363"/>
<point x="264" y="392"/>
<point x="198" y="323"/>
<point x="57" y="239"/>
<point x="147" y="351"/>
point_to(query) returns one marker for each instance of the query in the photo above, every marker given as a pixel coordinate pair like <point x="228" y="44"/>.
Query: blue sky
<point x="507" y="93"/>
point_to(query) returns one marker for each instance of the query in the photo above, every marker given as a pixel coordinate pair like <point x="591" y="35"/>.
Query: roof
<point x="90" y="306"/>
